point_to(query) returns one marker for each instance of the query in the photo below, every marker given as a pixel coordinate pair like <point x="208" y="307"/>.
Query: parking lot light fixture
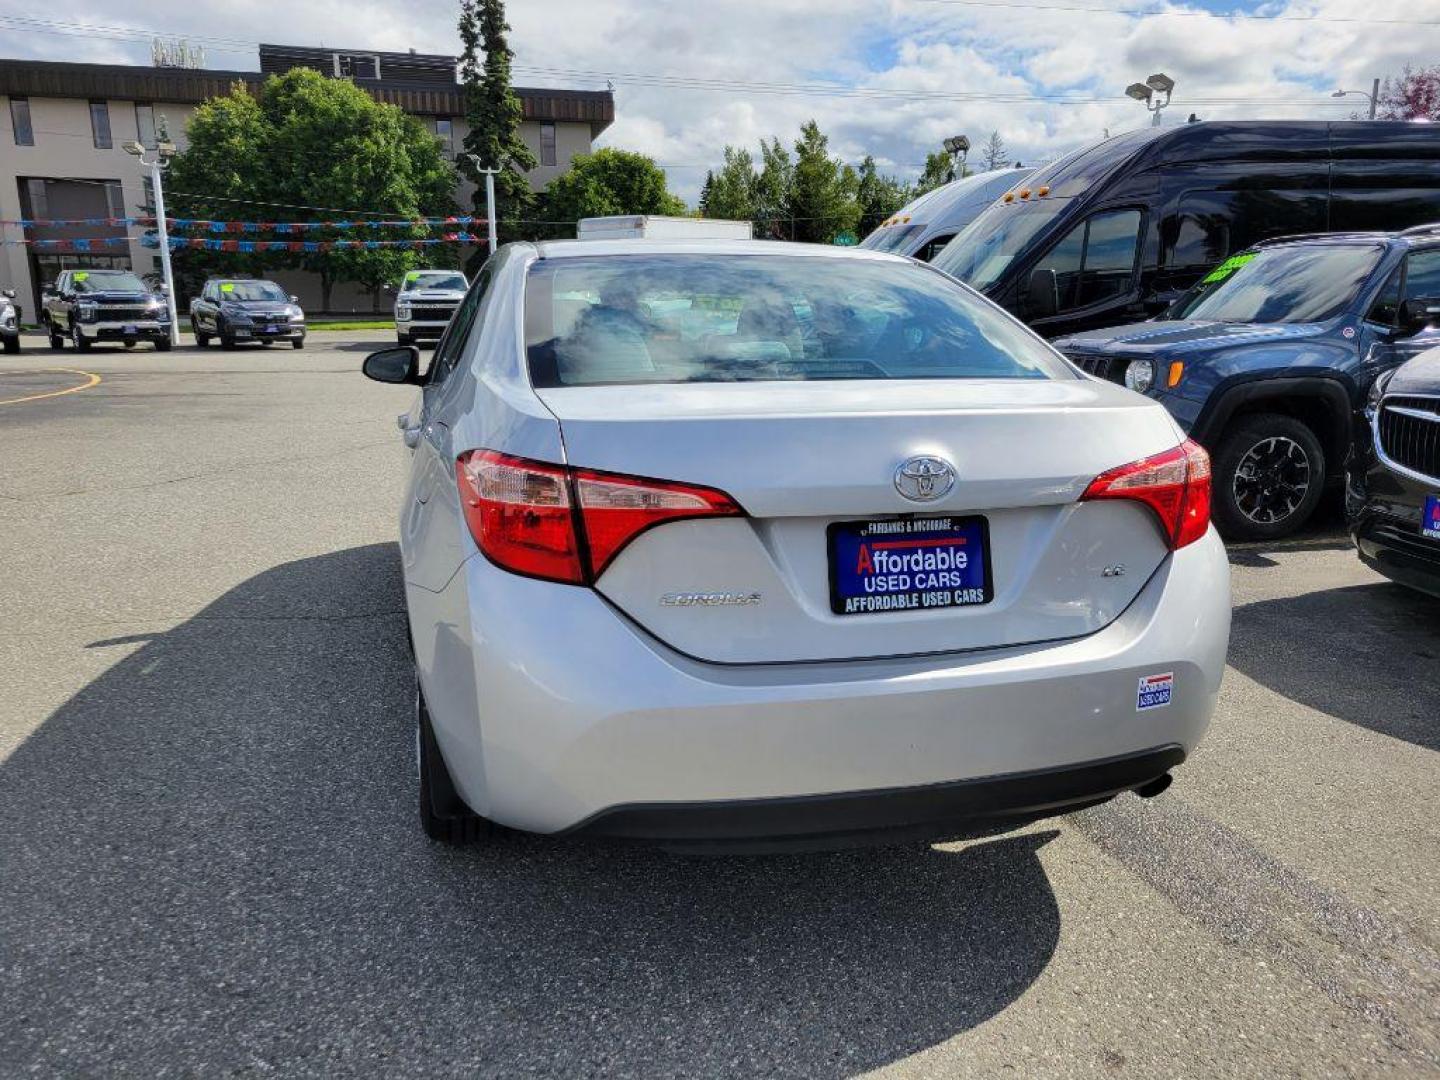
<point x="1373" y="98"/>
<point x="157" y="165"/>
<point x="1153" y="93"/>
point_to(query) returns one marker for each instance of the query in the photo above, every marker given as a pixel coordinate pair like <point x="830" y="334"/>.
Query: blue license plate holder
<point x="909" y="564"/>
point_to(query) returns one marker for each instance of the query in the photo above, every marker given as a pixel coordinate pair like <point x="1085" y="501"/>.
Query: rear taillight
<point x="561" y="524"/>
<point x="1175" y="484"/>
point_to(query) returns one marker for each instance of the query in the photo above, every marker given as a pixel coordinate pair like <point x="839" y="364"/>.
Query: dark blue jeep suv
<point x="1267" y="362"/>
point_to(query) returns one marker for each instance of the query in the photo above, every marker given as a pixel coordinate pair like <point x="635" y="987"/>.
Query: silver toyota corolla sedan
<point x="785" y="545"/>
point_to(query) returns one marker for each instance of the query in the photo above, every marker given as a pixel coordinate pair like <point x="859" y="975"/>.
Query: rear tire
<point x="202" y="341"/>
<point x="163" y="344"/>
<point x="1269" y="475"/>
<point x="443" y="814"/>
<point x="12" y="345"/>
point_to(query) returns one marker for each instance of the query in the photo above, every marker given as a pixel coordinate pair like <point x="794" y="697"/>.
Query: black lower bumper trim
<point x="1397" y="549"/>
<point x="949" y="810"/>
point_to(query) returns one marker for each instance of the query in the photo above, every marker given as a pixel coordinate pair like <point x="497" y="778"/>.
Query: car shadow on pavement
<point x="1365" y="654"/>
<point x="211" y="864"/>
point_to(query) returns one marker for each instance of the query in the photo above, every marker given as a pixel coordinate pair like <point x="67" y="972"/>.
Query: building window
<point x="20" y="121"/>
<point x="145" y="124"/>
<point x="100" y="125"/>
<point x="547" y="144"/>
<point x="356" y="66"/>
<point x="445" y="132"/>
<point x="35" y="203"/>
<point x="115" y="198"/>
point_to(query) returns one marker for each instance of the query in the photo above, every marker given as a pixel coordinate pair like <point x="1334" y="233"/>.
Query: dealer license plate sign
<point x="1430" y="521"/>
<point x="909" y="564"/>
<point x="129" y="328"/>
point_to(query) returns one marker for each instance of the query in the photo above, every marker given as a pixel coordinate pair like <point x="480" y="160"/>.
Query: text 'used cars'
<point x="746" y="542"/>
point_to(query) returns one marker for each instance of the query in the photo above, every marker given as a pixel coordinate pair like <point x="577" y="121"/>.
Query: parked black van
<point x="1114" y="233"/>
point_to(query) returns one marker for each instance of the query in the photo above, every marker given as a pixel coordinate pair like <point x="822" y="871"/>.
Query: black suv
<point x="1392" y="494"/>
<point x="1268" y="360"/>
<point x="86" y="306"/>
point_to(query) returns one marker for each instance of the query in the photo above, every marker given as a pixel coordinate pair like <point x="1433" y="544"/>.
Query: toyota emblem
<point x="924" y="479"/>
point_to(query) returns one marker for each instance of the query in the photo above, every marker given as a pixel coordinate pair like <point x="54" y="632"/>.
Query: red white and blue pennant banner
<point x="247" y="246"/>
<point x="280" y="227"/>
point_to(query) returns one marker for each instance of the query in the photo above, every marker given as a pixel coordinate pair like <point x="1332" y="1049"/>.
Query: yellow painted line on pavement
<point x="94" y="381"/>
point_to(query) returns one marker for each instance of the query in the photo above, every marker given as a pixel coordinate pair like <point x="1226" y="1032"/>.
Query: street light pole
<point x="164" y="151"/>
<point x="1373" y="97"/>
<point x="489" y="175"/>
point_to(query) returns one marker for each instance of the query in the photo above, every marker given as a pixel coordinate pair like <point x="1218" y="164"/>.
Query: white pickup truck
<point x="425" y="301"/>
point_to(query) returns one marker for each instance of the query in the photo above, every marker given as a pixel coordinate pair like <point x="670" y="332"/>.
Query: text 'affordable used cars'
<point x="767" y="544"/>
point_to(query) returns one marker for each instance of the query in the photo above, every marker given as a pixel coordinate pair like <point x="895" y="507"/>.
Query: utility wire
<point x="1149" y="13"/>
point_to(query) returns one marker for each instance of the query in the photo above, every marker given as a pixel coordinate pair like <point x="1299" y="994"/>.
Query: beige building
<point x="62" y="127"/>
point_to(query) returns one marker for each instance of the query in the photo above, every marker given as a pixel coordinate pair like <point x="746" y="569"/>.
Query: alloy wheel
<point x="1271" y="480"/>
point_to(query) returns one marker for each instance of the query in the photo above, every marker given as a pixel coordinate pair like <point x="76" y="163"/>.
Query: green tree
<point x="730" y="193"/>
<point x="772" y="191"/>
<point x="822" y="199"/>
<point x="310" y="141"/>
<point x="492" y="113"/>
<point x="879" y="196"/>
<point x="608" y="182"/>
<point x="939" y="170"/>
<point x="994" y="154"/>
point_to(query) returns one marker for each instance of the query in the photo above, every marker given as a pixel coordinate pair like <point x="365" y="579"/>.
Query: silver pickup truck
<point x="425" y="301"/>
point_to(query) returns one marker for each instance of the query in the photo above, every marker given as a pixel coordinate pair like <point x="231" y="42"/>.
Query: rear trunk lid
<point x="805" y="459"/>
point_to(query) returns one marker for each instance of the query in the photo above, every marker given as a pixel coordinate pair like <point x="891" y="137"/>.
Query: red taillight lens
<point x="520" y="514"/>
<point x="523" y="517"/>
<point x="1175" y="484"/>
<point x="616" y="509"/>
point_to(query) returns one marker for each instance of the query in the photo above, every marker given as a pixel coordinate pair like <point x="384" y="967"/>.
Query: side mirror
<point x="398" y="365"/>
<point x="294" y="299"/>
<point x="9" y="294"/>
<point x="391" y="289"/>
<point x="1418" y="313"/>
<point x="1042" y="297"/>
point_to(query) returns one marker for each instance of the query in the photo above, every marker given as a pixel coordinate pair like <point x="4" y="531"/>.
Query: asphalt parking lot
<point x="210" y="864"/>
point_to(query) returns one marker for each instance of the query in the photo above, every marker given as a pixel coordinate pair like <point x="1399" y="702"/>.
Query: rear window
<point x="600" y="320"/>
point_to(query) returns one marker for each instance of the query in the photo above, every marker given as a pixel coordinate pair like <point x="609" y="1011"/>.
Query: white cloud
<point x="1283" y="68"/>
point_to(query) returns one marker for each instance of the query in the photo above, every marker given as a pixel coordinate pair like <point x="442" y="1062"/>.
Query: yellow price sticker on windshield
<point x="229" y="286"/>
<point x="81" y="275"/>
<point x="412" y="277"/>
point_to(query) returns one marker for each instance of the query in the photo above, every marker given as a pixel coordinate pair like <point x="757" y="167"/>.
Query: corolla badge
<point x="924" y="479"/>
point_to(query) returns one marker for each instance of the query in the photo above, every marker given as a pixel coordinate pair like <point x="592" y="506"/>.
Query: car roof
<point x="569" y="249"/>
<point x="1407" y="237"/>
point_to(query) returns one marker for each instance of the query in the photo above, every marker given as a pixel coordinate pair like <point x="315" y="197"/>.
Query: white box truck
<point x="655" y="227"/>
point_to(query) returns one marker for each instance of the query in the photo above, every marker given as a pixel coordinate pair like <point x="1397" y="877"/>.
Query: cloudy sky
<point x="890" y="78"/>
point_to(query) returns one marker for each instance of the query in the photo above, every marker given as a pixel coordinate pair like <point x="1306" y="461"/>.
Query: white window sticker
<point x="1154" y="691"/>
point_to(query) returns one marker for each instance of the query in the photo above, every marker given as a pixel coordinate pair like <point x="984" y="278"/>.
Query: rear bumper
<point x="556" y="713"/>
<point x="932" y="811"/>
